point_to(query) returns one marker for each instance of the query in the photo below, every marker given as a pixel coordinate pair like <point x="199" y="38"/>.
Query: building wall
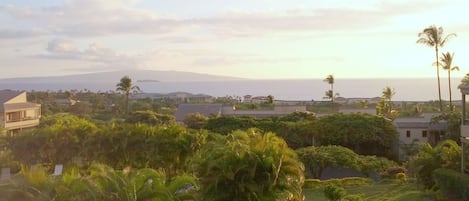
<point x="415" y="133"/>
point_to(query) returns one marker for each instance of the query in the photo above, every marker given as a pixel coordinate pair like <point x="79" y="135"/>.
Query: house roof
<point x="420" y="123"/>
<point x="6" y="95"/>
<point x="204" y="109"/>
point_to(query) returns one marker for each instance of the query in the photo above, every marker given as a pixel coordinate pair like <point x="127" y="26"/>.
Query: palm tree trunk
<point x="438" y="77"/>
<point x="127" y="102"/>
<point x="449" y="86"/>
<point x="332" y="91"/>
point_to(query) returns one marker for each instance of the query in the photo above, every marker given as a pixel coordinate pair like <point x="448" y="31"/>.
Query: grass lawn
<point x="378" y="192"/>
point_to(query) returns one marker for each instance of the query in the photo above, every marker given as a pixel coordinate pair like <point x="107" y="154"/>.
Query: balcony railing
<point x="21" y="119"/>
<point x="22" y="124"/>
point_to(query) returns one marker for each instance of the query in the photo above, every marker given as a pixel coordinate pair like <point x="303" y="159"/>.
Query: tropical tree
<point x="388" y="93"/>
<point x="447" y="64"/>
<point x="384" y="107"/>
<point x="330" y="93"/>
<point x="317" y="158"/>
<point x="249" y="166"/>
<point x="433" y="36"/>
<point x="465" y="80"/>
<point x="125" y="86"/>
<point x="363" y="133"/>
<point x="447" y="154"/>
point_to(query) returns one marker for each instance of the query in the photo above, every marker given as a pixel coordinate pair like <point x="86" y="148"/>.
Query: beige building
<point x="16" y="113"/>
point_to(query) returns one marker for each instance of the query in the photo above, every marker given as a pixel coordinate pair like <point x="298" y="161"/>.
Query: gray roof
<point x="422" y="125"/>
<point x="205" y="109"/>
<point x="6" y="95"/>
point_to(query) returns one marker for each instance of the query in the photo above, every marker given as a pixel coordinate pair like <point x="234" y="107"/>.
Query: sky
<point x="260" y="39"/>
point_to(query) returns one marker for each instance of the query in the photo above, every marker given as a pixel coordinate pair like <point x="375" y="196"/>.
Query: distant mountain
<point x="114" y="77"/>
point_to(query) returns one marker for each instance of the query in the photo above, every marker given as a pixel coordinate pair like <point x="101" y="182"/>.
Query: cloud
<point x="89" y="18"/>
<point x="101" y="57"/>
<point x="11" y="33"/>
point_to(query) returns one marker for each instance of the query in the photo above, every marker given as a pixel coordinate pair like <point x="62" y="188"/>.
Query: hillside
<point x="113" y="77"/>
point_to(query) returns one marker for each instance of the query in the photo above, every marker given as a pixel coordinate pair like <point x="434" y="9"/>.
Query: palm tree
<point x="330" y="93"/>
<point x="433" y="37"/>
<point x="447" y="64"/>
<point x="388" y="93"/>
<point x="125" y="86"/>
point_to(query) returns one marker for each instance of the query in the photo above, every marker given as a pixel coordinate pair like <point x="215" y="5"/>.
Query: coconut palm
<point x="433" y="36"/>
<point x="330" y="93"/>
<point x="447" y="64"/>
<point x="388" y="93"/>
<point x="125" y="85"/>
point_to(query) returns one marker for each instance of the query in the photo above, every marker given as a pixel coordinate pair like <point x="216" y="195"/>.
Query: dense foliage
<point x="249" y="166"/>
<point x="101" y="183"/>
<point x="446" y="154"/>
<point x="364" y="134"/>
<point x="67" y="139"/>
<point x="317" y="158"/>
<point x="451" y="182"/>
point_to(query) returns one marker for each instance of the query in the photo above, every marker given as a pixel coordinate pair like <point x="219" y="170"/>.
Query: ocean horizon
<point x="407" y="89"/>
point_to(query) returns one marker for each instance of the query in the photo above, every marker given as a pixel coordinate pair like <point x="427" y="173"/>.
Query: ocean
<point x="418" y="89"/>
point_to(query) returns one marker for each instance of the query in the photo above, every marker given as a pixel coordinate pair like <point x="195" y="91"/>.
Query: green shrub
<point x="334" y="192"/>
<point x="345" y="182"/>
<point x="452" y="182"/>
<point x="354" y="197"/>
<point x="402" y="177"/>
<point x="392" y="172"/>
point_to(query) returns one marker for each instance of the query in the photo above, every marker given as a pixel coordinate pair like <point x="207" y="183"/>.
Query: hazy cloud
<point x="102" y="58"/>
<point x="89" y="18"/>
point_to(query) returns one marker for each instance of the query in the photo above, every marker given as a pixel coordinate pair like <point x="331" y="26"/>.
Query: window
<point x="407" y="133"/>
<point x="424" y="133"/>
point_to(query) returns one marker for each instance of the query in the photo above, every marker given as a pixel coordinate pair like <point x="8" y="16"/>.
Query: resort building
<point x="416" y="130"/>
<point x="16" y="113"/>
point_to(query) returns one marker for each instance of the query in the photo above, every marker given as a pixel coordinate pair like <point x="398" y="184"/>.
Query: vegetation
<point x="364" y="134"/>
<point x="446" y="154"/>
<point x="143" y="154"/>
<point x="249" y="166"/>
<point x="317" y="158"/>
<point x="447" y="64"/>
<point x="392" y="190"/>
<point x="330" y="93"/>
<point x="433" y="37"/>
<point x="125" y="85"/>
<point x="452" y="183"/>
<point x="101" y="183"/>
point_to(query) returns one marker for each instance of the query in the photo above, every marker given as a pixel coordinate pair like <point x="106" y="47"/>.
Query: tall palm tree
<point x="125" y="85"/>
<point x="447" y="64"/>
<point x="388" y="93"/>
<point x="330" y="93"/>
<point x="433" y="37"/>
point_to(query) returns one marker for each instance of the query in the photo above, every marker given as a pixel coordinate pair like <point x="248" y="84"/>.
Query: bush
<point x="334" y="192"/>
<point x="452" y="182"/>
<point x="344" y="182"/>
<point x="354" y="197"/>
<point x="391" y="172"/>
<point x="402" y="177"/>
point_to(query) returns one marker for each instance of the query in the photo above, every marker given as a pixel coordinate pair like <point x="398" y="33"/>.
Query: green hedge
<point x="344" y="182"/>
<point x="452" y="182"/>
